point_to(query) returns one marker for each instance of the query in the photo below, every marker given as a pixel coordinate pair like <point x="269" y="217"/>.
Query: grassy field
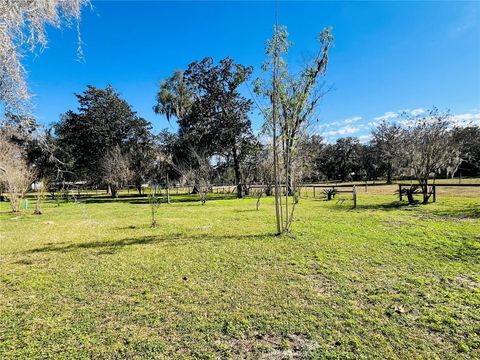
<point x="93" y="280"/>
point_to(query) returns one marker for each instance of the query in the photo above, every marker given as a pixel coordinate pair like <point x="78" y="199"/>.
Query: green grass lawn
<point x="95" y="281"/>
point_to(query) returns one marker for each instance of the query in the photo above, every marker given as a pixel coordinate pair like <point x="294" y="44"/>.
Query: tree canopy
<point x="103" y="122"/>
<point x="211" y="113"/>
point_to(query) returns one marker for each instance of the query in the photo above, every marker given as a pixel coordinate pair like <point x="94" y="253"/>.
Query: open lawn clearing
<point x="383" y="281"/>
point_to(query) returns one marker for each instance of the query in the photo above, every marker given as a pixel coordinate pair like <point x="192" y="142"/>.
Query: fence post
<point x="314" y="192"/>
<point x="400" y="191"/>
<point x="354" y="197"/>
<point x="434" y="193"/>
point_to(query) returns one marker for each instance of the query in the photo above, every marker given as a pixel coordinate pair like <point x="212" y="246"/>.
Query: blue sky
<point x="388" y="56"/>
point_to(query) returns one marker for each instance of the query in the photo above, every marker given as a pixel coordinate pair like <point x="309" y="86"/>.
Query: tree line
<point x="105" y="143"/>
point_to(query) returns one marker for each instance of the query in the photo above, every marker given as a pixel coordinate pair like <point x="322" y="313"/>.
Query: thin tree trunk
<point x="168" y="190"/>
<point x="196" y="188"/>
<point x="238" y="174"/>
<point x="424" y="187"/>
<point x="278" y="208"/>
<point x="287" y="172"/>
<point x="268" y="190"/>
<point x="288" y="168"/>
<point x="389" y="175"/>
<point x="411" y="199"/>
<point x="114" y="191"/>
<point x="258" y="198"/>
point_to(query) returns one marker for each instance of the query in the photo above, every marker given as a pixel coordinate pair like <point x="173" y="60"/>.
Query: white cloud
<point x="364" y="138"/>
<point x="416" y="112"/>
<point x="460" y="120"/>
<point x="387" y="116"/>
<point x="331" y="131"/>
<point x="346" y="130"/>
<point x="352" y="119"/>
<point x="407" y="123"/>
<point x="340" y="122"/>
<point x="466" y="119"/>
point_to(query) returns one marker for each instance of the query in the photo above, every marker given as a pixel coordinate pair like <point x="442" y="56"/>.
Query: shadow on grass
<point x="110" y="247"/>
<point x="469" y="250"/>
<point x="464" y="212"/>
<point x="144" y="199"/>
<point x="464" y="250"/>
<point x="395" y="205"/>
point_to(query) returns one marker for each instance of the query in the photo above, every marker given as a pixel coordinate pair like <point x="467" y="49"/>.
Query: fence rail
<point x="441" y="184"/>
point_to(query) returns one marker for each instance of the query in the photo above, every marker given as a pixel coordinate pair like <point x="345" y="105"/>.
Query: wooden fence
<point x="433" y="188"/>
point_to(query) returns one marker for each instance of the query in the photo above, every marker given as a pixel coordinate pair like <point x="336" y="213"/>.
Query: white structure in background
<point x="36" y="185"/>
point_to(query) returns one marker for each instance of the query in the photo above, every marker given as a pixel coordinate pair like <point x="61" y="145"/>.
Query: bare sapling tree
<point x="427" y="145"/>
<point x="264" y="169"/>
<point x="257" y="169"/>
<point x="196" y="169"/>
<point x="163" y="165"/>
<point x="115" y="170"/>
<point x="294" y="99"/>
<point x="23" y="28"/>
<point x="299" y="96"/>
<point x="154" y="201"/>
<point x="201" y="176"/>
<point x="15" y="174"/>
<point x="41" y="188"/>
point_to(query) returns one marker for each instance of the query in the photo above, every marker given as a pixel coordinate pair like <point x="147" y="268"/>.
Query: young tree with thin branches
<point x="115" y="170"/>
<point x="15" y="174"/>
<point x="41" y="188"/>
<point x="427" y="146"/>
<point x="197" y="170"/>
<point x="294" y="99"/>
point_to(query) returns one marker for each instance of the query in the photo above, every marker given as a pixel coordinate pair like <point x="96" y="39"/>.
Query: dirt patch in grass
<point x="273" y="347"/>
<point x="467" y="281"/>
<point x="395" y="223"/>
<point x="323" y="286"/>
<point x="450" y="217"/>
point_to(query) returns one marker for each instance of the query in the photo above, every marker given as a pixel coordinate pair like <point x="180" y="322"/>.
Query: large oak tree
<point x="104" y="124"/>
<point x="211" y="112"/>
